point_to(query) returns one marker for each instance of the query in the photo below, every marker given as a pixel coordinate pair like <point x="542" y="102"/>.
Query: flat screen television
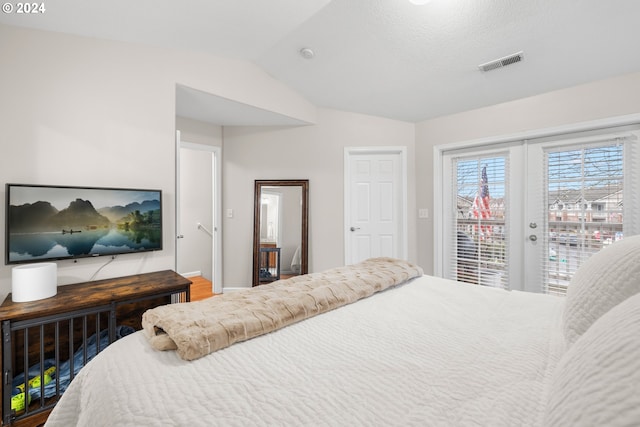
<point x="45" y="222"/>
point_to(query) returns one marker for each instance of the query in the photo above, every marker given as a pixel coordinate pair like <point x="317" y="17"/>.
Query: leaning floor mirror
<point x="280" y="229"/>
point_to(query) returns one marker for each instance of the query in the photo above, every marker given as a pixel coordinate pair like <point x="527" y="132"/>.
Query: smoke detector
<point x="502" y="62"/>
<point x="307" y="53"/>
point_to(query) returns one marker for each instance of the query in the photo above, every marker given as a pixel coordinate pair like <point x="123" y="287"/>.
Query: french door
<point x="526" y="214"/>
<point x="582" y="197"/>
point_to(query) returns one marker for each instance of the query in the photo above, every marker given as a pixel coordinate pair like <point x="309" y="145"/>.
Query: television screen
<point x="45" y="223"/>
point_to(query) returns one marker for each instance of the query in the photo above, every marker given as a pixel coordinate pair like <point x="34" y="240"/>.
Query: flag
<point x="481" y="208"/>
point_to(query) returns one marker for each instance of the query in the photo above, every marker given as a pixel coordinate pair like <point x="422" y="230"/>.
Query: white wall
<point x="313" y="152"/>
<point x="308" y="152"/>
<point x="196" y="201"/>
<point x="199" y="132"/>
<point x="585" y="103"/>
<point x="80" y="111"/>
<point x="291" y="225"/>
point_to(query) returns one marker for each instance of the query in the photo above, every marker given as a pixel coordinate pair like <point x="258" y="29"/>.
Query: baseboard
<point x="191" y="274"/>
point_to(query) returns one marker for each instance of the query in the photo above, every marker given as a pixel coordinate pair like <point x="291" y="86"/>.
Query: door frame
<point x="216" y="208"/>
<point x="382" y="150"/>
<point x="439" y="152"/>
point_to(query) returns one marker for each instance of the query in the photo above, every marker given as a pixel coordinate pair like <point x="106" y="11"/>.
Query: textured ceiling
<point x="387" y="58"/>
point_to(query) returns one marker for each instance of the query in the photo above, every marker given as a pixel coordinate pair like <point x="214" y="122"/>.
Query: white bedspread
<point x="428" y="353"/>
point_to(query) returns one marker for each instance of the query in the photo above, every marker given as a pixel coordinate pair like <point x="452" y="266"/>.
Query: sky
<point x="584" y="167"/>
<point x="60" y="197"/>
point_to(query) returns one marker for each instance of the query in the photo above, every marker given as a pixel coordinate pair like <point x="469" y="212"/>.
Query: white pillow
<point x="606" y="279"/>
<point x="597" y="381"/>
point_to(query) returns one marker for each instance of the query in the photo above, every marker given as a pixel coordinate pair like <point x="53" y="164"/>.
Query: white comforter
<point x="431" y="352"/>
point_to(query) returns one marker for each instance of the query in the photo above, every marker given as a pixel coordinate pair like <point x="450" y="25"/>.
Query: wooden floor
<point x="200" y="289"/>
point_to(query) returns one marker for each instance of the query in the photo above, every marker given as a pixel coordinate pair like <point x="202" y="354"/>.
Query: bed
<point x="425" y="351"/>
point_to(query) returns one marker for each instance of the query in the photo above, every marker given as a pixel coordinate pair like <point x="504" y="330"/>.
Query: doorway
<point x="375" y="203"/>
<point x="525" y="214"/>
<point x="198" y="212"/>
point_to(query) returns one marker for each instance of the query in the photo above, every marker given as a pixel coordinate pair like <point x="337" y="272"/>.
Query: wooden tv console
<point x="55" y="329"/>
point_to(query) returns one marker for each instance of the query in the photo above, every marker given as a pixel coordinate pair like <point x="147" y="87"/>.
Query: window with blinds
<point x="584" y="207"/>
<point x="479" y="219"/>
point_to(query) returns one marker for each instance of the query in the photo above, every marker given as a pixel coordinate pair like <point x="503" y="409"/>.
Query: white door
<point x="198" y="212"/>
<point x="550" y="204"/>
<point x="375" y="203"/>
<point x="580" y="194"/>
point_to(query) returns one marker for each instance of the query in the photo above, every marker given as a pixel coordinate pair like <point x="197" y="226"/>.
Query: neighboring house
<point x="596" y="215"/>
<point x="595" y="205"/>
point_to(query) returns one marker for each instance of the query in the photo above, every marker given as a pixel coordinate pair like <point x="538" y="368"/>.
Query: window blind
<point x="479" y="250"/>
<point x="584" y="207"/>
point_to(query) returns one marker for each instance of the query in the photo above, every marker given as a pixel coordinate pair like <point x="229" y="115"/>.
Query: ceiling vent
<point x="502" y="62"/>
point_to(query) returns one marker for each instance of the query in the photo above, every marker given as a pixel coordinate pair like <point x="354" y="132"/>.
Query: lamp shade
<point x="31" y="282"/>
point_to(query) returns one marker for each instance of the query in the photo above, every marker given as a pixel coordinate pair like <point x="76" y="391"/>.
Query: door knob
<point x="533" y="237"/>
<point x="354" y="228"/>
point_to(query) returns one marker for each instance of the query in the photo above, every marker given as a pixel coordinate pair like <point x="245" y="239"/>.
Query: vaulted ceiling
<point x="388" y="58"/>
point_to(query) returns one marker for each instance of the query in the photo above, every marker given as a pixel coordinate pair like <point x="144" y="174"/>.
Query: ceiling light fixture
<point x="307" y="53"/>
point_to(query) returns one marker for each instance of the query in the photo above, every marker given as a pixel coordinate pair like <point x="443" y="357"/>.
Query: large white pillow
<point x="597" y="381"/>
<point x="602" y="282"/>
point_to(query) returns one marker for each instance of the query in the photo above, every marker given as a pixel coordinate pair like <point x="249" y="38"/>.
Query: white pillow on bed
<point x="597" y="381"/>
<point x="607" y="278"/>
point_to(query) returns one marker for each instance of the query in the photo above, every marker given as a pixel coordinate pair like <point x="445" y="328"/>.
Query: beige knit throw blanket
<point x="198" y="328"/>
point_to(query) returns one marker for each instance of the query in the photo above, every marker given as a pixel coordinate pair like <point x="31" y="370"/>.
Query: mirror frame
<point x="304" y="238"/>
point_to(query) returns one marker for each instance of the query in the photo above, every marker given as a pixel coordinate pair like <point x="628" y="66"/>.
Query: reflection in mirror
<point x="280" y="230"/>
